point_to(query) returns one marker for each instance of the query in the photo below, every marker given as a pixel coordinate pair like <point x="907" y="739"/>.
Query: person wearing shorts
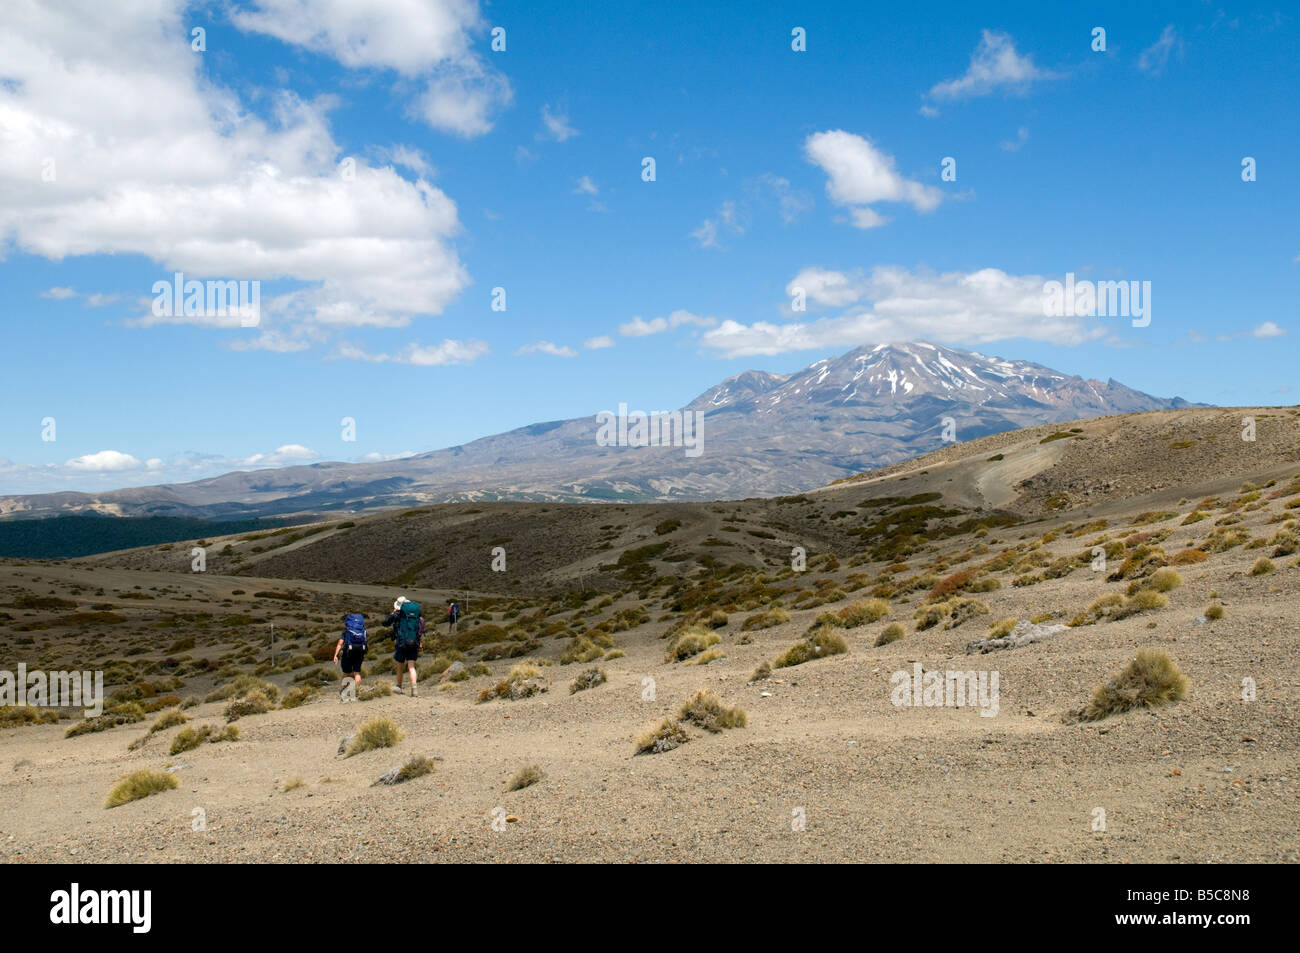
<point x="350" y="661"/>
<point x="405" y="654"/>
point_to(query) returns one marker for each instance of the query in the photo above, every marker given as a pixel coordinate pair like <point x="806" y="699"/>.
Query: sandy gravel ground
<point x="1212" y="779"/>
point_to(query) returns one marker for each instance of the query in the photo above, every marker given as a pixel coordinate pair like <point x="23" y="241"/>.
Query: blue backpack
<point x="408" y="626"/>
<point x="354" y="631"/>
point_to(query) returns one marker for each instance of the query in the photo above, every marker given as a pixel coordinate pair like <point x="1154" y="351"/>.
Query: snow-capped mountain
<point x="763" y="434"/>
<point x="896" y="374"/>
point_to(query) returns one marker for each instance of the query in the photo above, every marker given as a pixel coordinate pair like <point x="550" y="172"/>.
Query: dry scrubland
<point x="771" y="688"/>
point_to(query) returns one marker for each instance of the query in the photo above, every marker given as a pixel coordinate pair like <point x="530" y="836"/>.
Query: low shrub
<point x="863" y="612"/>
<point x="891" y="633"/>
<point x="707" y="711"/>
<point x="527" y="776"/>
<point x="140" y="784"/>
<point x="374" y="734"/>
<point x="822" y="642"/>
<point x="665" y="736"/>
<point x="1150" y="680"/>
<point x="588" y="679"/>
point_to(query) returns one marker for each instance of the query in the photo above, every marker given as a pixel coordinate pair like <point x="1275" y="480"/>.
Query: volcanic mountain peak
<point x="889" y="374"/>
<point x="767" y="434"/>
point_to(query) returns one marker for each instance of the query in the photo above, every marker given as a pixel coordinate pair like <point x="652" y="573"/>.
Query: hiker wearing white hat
<point x="408" y="634"/>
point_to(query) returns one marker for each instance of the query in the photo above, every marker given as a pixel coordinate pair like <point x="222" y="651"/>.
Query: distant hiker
<point x="350" y="653"/>
<point x="408" y="633"/>
<point x="453" y="616"/>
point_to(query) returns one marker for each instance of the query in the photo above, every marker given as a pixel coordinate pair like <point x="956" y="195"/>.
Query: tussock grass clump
<point x="373" y="734"/>
<point x="716" y="619"/>
<point x="1263" y="566"/>
<point x="1113" y="606"/>
<point x="13" y="716"/>
<point x="821" y="642"/>
<point x="956" y="610"/>
<point x="168" y="720"/>
<point x="707" y="711"/>
<point x="1225" y="538"/>
<point x="581" y="649"/>
<point x="588" y="679"/>
<point x="707" y="656"/>
<point x="416" y="767"/>
<point x="827" y="620"/>
<point x="189" y="739"/>
<point x="299" y="696"/>
<point x="765" y="619"/>
<point x="522" y="682"/>
<point x="1103" y="603"/>
<point x="1002" y="628"/>
<point x="764" y="671"/>
<point x="1284" y="543"/>
<point x="125" y="714"/>
<point x="1144" y="600"/>
<point x="927" y="617"/>
<point x="1189" y="557"/>
<point x="256" y="702"/>
<point x="370" y="692"/>
<point x="292" y="784"/>
<point x="140" y="784"/>
<point x="891" y="633"/>
<point x="1214" y="611"/>
<point x="1141" y="562"/>
<point x="1164" y="580"/>
<point x="527" y="776"/>
<point x="820" y="597"/>
<point x="690" y="642"/>
<point x="1150" y="680"/>
<point x="665" y="736"/>
<point x="863" y="612"/>
<point x="239" y="685"/>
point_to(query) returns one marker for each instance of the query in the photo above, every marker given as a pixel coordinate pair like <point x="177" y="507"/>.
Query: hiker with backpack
<point x="408" y="634"/>
<point x="453" y="616"/>
<point x="350" y="653"/>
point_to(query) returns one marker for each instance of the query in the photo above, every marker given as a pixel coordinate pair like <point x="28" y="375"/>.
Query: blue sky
<point x="380" y="175"/>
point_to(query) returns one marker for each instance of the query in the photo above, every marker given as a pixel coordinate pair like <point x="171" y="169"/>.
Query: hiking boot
<point x="414" y="692"/>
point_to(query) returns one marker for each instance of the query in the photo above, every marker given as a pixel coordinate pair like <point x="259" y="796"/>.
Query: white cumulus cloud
<point x="152" y="158"/>
<point x="420" y="355"/>
<point x="639" y="327"/>
<point x="859" y="175"/>
<point x="428" y="40"/>
<point x="556" y="125"/>
<point x="896" y="304"/>
<point x="994" y="65"/>
<point x="288" y="455"/>
<point x="103" y="462"/>
<point x="547" y="347"/>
